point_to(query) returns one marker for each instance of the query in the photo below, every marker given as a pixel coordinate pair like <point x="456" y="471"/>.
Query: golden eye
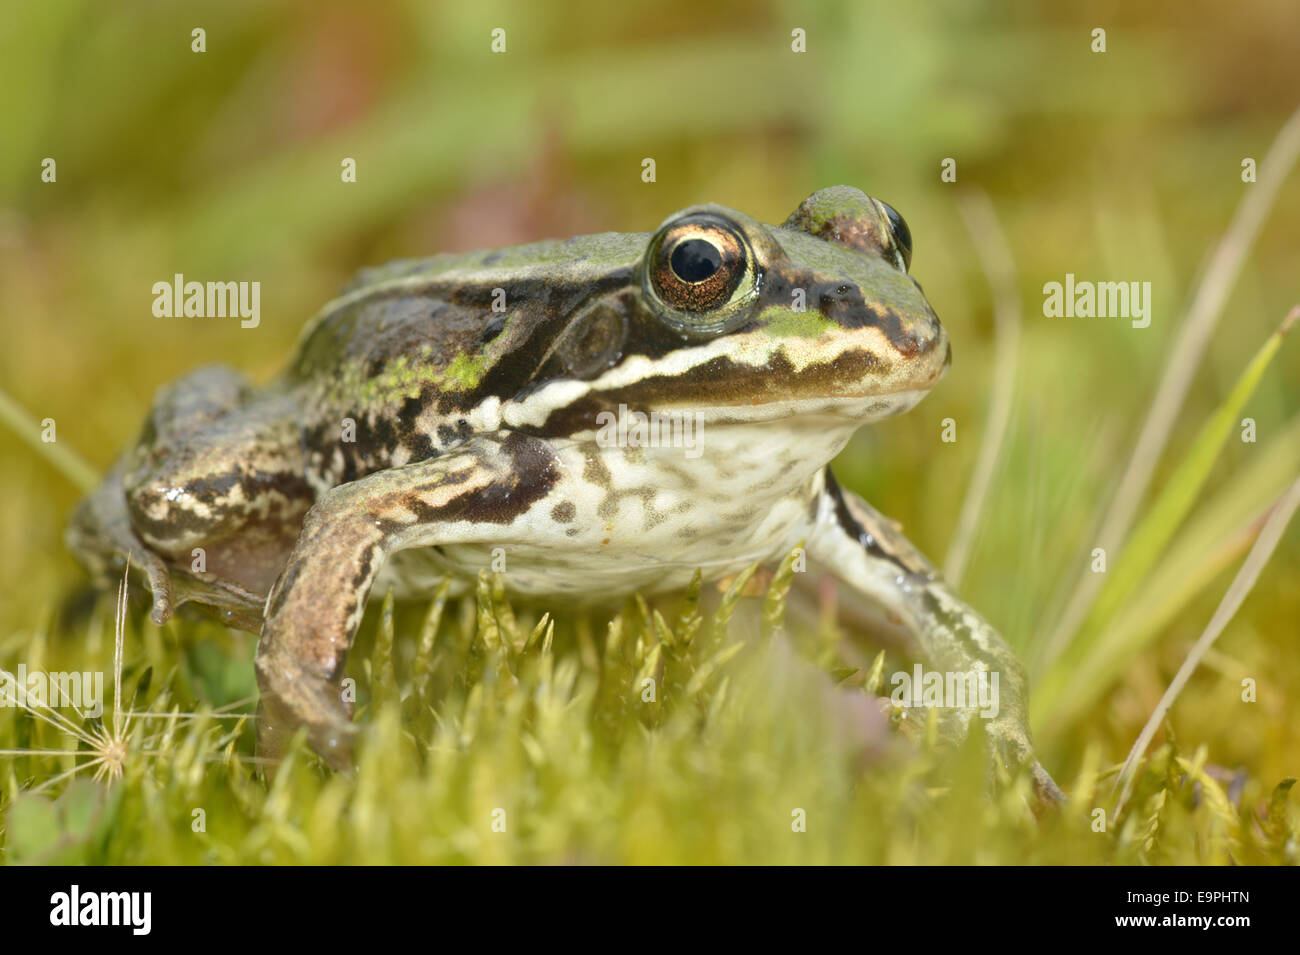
<point x="699" y="267"/>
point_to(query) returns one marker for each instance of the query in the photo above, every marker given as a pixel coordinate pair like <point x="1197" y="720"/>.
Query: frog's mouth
<point x="851" y="383"/>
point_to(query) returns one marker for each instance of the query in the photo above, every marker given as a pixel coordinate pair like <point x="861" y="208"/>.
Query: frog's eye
<point x="700" y="270"/>
<point x="900" y="233"/>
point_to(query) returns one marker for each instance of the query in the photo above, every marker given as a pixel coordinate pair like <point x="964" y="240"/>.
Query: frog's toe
<point x="160" y="585"/>
<point x="1009" y="745"/>
<point x="292" y="698"/>
<point x="275" y="728"/>
<point x="334" y="745"/>
<point x="102" y="538"/>
<point x="1049" y="794"/>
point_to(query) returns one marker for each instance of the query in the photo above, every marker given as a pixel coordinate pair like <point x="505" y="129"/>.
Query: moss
<point x="666" y="734"/>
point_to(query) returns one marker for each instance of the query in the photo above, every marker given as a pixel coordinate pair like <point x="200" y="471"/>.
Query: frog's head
<point x="750" y="322"/>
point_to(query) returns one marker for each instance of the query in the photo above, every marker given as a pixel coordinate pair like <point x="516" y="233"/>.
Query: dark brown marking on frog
<point x="595" y="471"/>
<point x="420" y="445"/>
<point x="292" y="571"/>
<point x="564" y="512"/>
<point x="685" y="477"/>
<point x="533" y="472"/>
<point x="544" y="308"/>
<point x="409" y="410"/>
<point x="210" y="491"/>
<point x="853" y="527"/>
<point x="528" y="477"/>
<point x="719" y="381"/>
<point x="376" y="437"/>
<point x="362" y="574"/>
<point x="652" y="517"/>
<point x="841" y="302"/>
<point x="494" y="327"/>
<point x="402" y="428"/>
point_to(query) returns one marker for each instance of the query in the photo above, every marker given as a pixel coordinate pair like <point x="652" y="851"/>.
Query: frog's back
<point x="399" y="366"/>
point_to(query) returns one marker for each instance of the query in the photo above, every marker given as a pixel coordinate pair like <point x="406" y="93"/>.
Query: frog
<point x="443" y="411"/>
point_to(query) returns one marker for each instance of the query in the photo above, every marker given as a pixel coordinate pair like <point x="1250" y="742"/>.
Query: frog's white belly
<point x="623" y="520"/>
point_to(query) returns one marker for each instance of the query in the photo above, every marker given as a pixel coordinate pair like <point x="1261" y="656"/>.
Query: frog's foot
<point x="101" y="537"/>
<point x="1045" y="788"/>
<point x="291" y="698"/>
<point x="1009" y="744"/>
<point x="160" y="584"/>
<point x="879" y="565"/>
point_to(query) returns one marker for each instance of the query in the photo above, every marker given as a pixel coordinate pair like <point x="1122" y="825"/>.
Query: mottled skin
<point x="441" y="408"/>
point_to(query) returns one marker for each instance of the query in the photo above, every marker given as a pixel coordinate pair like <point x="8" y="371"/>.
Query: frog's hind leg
<point x="869" y="553"/>
<point x="216" y="485"/>
<point x="103" y="532"/>
<point x="479" y="492"/>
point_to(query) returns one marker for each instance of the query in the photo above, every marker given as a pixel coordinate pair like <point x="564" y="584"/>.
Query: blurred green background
<point x="1117" y="166"/>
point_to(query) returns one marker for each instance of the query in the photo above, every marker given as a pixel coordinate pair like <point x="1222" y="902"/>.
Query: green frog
<point x="445" y="411"/>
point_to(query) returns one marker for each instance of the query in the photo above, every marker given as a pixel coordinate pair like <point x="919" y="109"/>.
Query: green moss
<point x="669" y="734"/>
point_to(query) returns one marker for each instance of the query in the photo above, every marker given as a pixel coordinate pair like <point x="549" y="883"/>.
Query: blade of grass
<point x="1178" y="496"/>
<point x="999" y="268"/>
<point x="1221" y="534"/>
<point x="1202" y="553"/>
<point x="1062" y="687"/>
<point x="1242" y="584"/>
<point x="64" y="460"/>
<point x="1184" y="358"/>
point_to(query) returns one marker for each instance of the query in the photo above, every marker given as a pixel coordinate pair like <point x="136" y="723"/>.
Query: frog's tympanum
<point x="446" y="410"/>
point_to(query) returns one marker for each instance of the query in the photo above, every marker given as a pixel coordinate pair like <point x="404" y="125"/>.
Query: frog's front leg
<point x="472" y="494"/>
<point x="873" y="558"/>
